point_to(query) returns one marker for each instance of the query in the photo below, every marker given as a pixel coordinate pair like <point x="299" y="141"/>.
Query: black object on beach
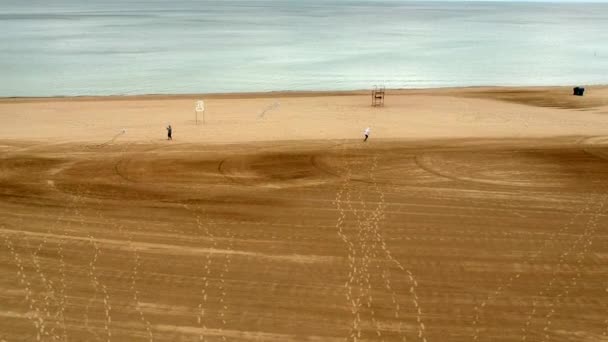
<point x="169" y="131"/>
<point x="578" y="91"/>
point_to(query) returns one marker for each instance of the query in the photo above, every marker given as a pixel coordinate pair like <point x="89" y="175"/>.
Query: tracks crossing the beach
<point x="366" y="246"/>
<point x="292" y="241"/>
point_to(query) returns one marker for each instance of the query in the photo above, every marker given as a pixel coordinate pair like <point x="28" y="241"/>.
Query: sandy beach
<point x="471" y="214"/>
<point x="415" y="114"/>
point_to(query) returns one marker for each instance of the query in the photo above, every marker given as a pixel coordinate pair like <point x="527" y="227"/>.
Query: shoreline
<point x="290" y="93"/>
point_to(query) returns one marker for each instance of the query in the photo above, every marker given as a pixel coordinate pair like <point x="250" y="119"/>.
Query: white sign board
<point x="200" y="106"/>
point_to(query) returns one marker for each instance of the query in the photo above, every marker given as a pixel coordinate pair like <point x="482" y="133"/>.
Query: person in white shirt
<point x="366" y="133"/>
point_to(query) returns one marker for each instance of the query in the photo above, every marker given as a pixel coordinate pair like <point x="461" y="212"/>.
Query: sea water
<point x="94" y="47"/>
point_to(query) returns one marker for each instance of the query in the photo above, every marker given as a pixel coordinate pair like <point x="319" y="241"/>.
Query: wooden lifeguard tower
<point x="378" y="96"/>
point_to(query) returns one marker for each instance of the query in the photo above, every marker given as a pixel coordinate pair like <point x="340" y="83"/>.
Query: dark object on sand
<point x="169" y="132"/>
<point x="578" y="91"/>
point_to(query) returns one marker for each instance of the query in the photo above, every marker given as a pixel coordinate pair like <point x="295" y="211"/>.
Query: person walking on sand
<point x="366" y="133"/>
<point x="169" y="132"/>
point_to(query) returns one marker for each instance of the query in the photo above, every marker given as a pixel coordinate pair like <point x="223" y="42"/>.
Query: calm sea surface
<point x="77" y="47"/>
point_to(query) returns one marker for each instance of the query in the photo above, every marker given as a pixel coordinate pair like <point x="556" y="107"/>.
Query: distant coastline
<point x="294" y="93"/>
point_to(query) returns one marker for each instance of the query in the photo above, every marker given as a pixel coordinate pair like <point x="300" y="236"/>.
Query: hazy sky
<point x="580" y="1"/>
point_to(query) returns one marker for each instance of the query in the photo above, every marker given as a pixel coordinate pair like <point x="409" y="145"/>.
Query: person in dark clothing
<point x="169" y="132"/>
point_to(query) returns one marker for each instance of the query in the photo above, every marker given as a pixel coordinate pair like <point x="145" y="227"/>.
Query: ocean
<point x="76" y="47"/>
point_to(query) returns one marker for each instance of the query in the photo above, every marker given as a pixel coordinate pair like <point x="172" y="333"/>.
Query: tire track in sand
<point x="372" y="254"/>
<point x="479" y="309"/>
<point x="135" y="251"/>
<point x="562" y="261"/>
<point x="506" y="285"/>
<point x="386" y="275"/>
<point x="360" y="271"/>
<point x="79" y="196"/>
<point x="605" y="332"/>
<point x="368" y="228"/>
<point x="586" y="241"/>
<point x="38" y="319"/>
<point x="46" y="323"/>
<point x="351" y="254"/>
<point x="222" y="287"/>
<point x="363" y="250"/>
<point x="133" y="275"/>
<point x="359" y="276"/>
<point x="205" y="225"/>
<point x="207" y="273"/>
<point x="58" y="294"/>
<point x="50" y="293"/>
<point x="203" y="232"/>
<point x="97" y="285"/>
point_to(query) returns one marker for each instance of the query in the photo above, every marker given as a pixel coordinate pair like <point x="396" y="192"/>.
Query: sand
<point x="423" y="114"/>
<point x="473" y="214"/>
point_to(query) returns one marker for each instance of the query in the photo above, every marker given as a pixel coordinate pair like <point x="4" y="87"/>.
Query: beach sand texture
<point x="470" y="215"/>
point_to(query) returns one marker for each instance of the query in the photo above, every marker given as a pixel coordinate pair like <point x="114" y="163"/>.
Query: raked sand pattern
<point x="297" y="241"/>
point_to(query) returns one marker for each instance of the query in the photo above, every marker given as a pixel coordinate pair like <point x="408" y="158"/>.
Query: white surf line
<point x="588" y="241"/>
<point x="38" y="318"/>
<point x="505" y="285"/>
<point x="549" y="286"/>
